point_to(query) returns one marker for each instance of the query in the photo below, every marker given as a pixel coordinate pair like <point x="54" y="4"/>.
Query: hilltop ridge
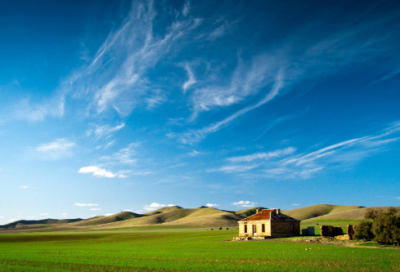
<point x="198" y="217"/>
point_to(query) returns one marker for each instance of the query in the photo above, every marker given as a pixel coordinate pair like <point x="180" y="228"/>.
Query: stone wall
<point x="331" y="231"/>
<point x="337" y="232"/>
<point x="274" y="229"/>
<point x="284" y="229"/>
<point x="258" y="225"/>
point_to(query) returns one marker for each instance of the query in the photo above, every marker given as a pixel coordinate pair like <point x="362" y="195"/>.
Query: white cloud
<point x="117" y="78"/>
<point x="186" y="9"/>
<point x="39" y="111"/>
<point x="109" y="144"/>
<point x="191" y="80"/>
<point x="194" y="153"/>
<point x="155" y="205"/>
<point x="55" y="150"/>
<point x="220" y="30"/>
<point x="235" y="168"/>
<point x="95" y="209"/>
<point x="263" y="155"/>
<point x="210" y="205"/>
<point x="85" y="204"/>
<point x="1" y="216"/>
<point x="305" y="165"/>
<point x="12" y="220"/>
<point x="123" y="156"/>
<point x="24" y="186"/>
<point x="155" y="100"/>
<point x="242" y="203"/>
<point x="99" y="172"/>
<point x="197" y="135"/>
<point x="44" y="214"/>
<point x="103" y="131"/>
<point x="295" y="204"/>
<point x="108" y="214"/>
<point x="64" y="214"/>
<point x="127" y="210"/>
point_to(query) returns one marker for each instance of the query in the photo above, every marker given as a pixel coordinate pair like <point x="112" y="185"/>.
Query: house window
<point x="291" y="227"/>
<point x="245" y="228"/>
<point x="263" y="227"/>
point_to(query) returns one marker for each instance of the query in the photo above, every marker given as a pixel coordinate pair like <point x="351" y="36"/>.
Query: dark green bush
<point x="386" y="227"/>
<point x="364" y="231"/>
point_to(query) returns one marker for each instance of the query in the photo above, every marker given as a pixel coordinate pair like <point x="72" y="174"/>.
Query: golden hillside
<point x="318" y="210"/>
<point x="350" y="214"/>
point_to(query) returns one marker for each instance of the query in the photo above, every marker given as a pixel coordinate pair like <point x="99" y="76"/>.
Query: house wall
<point x="274" y="229"/>
<point x="283" y="229"/>
<point x="258" y="225"/>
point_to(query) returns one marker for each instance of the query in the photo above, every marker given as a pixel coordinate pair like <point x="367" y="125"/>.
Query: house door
<point x="254" y="230"/>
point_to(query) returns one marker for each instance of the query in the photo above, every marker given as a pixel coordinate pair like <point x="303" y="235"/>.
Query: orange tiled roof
<point x="269" y="214"/>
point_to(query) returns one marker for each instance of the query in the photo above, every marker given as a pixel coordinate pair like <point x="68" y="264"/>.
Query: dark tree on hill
<point x="386" y="227"/>
<point x="372" y="213"/>
<point x="364" y="231"/>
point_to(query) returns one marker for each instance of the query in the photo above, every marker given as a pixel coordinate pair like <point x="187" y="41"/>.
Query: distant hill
<point x="318" y="210"/>
<point x="177" y="216"/>
<point x="39" y="223"/>
<point x="247" y="212"/>
<point x="98" y="220"/>
<point x="350" y="214"/>
<point x="199" y="217"/>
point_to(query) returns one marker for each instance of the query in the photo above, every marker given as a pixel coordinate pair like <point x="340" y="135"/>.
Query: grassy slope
<point x="247" y="212"/>
<point x="200" y="217"/>
<point x="349" y="214"/>
<point x="106" y="219"/>
<point x="181" y="251"/>
<point x="35" y="223"/>
<point x="318" y="210"/>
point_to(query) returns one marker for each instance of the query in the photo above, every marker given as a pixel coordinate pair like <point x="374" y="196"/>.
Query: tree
<point x="364" y="231"/>
<point x="372" y="213"/>
<point x="386" y="227"/>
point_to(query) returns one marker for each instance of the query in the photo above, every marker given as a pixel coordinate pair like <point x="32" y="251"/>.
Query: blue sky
<point x="116" y="105"/>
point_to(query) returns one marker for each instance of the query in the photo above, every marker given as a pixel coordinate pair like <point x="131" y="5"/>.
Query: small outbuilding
<point x="269" y="222"/>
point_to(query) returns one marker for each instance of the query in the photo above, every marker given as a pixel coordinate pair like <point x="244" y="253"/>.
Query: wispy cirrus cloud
<point x="186" y="9"/>
<point x="191" y="79"/>
<point x="194" y="136"/>
<point x="103" y="131"/>
<point x="286" y="164"/>
<point x="118" y="75"/>
<point x="38" y="111"/>
<point x="263" y="155"/>
<point x="55" y="150"/>
<point x="124" y="156"/>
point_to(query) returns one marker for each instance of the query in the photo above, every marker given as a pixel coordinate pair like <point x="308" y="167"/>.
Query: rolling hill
<point x="106" y="219"/>
<point x="198" y="217"/>
<point x="349" y="214"/>
<point x="37" y="223"/>
<point x="318" y="210"/>
<point x="177" y="216"/>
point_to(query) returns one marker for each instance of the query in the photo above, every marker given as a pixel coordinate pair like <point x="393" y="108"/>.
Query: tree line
<point x="384" y="227"/>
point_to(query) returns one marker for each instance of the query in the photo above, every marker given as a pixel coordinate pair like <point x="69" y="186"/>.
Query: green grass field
<point x="180" y="250"/>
